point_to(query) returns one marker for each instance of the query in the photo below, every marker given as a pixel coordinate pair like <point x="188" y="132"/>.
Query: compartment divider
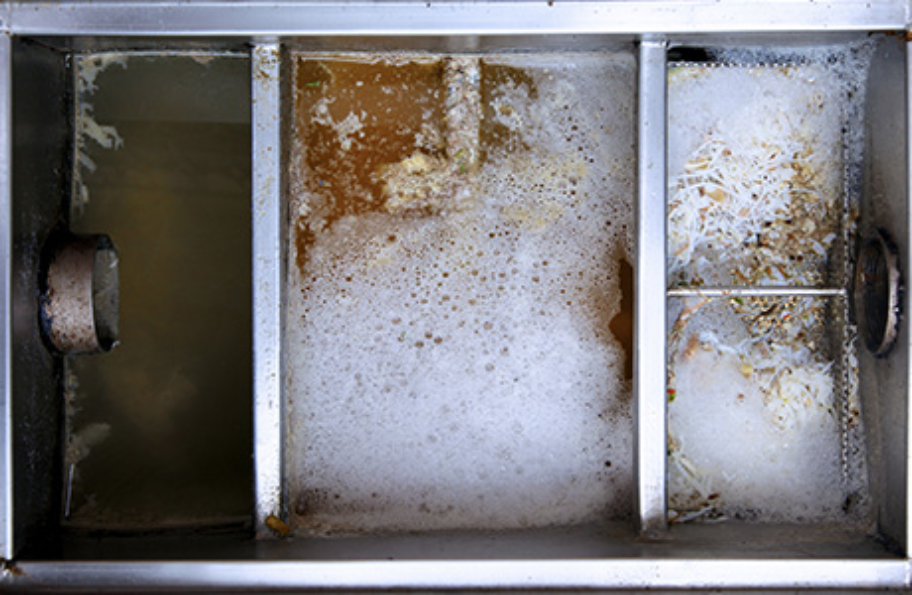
<point x="649" y="361"/>
<point x="756" y="291"/>
<point x="268" y="281"/>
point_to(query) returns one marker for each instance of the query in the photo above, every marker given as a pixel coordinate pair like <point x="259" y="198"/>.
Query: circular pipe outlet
<point x="878" y="293"/>
<point x="80" y="303"/>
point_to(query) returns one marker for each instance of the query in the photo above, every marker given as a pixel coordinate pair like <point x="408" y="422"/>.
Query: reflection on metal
<point x="253" y="18"/>
<point x="80" y="301"/>
<point x="68" y="497"/>
<point x="267" y="286"/>
<point x="549" y="575"/>
<point x="878" y="293"/>
<point x="649" y="310"/>
<point x="904" y="396"/>
<point x="6" y="344"/>
<point x="767" y="291"/>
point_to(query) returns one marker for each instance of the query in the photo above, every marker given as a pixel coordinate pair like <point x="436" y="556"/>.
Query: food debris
<point x="765" y="208"/>
<point x="435" y="185"/>
<point x="758" y="165"/>
<point x="278" y="526"/>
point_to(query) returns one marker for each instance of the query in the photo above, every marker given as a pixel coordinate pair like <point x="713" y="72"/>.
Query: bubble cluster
<point x="457" y="369"/>
<point x="773" y="454"/>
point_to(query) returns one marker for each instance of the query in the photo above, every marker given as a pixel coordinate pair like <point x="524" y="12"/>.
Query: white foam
<point x="456" y="370"/>
<point x="756" y="125"/>
<point x="753" y="424"/>
<point x="87" y="68"/>
<point x="756" y="423"/>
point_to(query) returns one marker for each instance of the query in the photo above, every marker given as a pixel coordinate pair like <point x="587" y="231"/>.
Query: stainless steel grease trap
<point x="385" y="309"/>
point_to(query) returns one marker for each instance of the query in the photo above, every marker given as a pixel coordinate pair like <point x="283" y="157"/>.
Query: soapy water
<point x="764" y="417"/>
<point x="459" y="226"/>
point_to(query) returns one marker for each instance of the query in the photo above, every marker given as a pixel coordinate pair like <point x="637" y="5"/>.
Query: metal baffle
<point x="6" y="344"/>
<point x="267" y="283"/>
<point x="761" y="291"/>
<point x="649" y="355"/>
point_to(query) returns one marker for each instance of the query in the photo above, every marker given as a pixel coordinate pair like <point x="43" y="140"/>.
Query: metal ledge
<point x="465" y="574"/>
<point x="272" y="18"/>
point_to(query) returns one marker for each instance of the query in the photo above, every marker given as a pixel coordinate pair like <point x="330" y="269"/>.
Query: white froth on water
<point x="456" y="369"/>
<point x="753" y="424"/>
<point x="751" y="149"/>
<point x="757" y="417"/>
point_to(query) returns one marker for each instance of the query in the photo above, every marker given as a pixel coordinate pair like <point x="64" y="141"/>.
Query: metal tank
<point x="187" y="407"/>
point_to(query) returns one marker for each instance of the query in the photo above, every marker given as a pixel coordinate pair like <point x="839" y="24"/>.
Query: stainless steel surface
<point x="270" y="18"/>
<point x="714" y="292"/>
<point x="906" y="394"/>
<point x="6" y="270"/>
<point x="38" y="125"/>
<point x="884" y="383"/>
<point x="551" y="575"/>
<point x="268" y="270"/>
<point x="733" y="558"/>
<point x="650" y="282"/>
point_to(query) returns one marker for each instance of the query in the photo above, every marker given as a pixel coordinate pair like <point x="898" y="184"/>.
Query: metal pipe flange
<point x="878" y="293"/>
<point x="80" y="298"/>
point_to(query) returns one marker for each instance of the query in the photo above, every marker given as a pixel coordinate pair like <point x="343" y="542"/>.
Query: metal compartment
<point x="42" y="550"/>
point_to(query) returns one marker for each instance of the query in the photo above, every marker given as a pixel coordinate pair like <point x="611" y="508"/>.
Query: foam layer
<point x="764" y="422"/>
<point x="753" y="418"/>
<point x="757" y="171"/>
<point x="453" y="365"/>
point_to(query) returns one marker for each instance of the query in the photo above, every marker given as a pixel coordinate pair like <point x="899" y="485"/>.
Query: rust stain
<point x="622" y="324"/>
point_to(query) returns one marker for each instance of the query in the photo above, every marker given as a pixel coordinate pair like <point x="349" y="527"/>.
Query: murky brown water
<point x="176" y="393"/>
